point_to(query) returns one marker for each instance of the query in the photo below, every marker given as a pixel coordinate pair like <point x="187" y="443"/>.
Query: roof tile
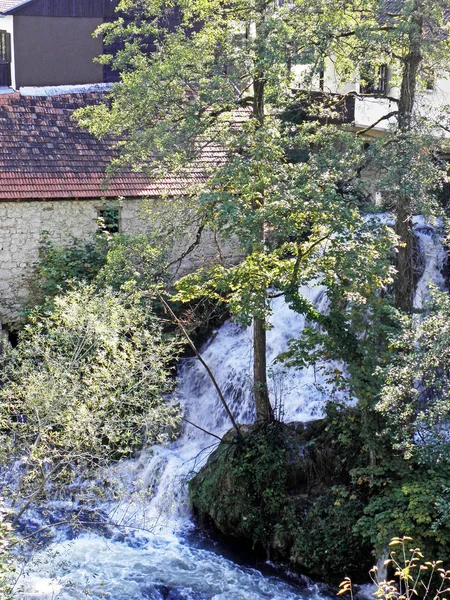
<point x="44" y="154"/>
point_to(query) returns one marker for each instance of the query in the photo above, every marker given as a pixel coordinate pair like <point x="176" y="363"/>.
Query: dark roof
<point x="44" y="154"/>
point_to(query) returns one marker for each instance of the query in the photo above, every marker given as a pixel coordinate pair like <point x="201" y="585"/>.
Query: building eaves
<point x="9" y="6"/>
<point x="45" y="154"/>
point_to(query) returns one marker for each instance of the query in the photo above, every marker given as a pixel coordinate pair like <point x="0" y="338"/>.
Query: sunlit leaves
<point x="85" y="385"/>
<point x="417" y="388"/>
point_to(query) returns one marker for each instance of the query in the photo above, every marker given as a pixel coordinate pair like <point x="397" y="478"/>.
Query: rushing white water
<point x="150" y="554"/>
<point x="153" y="557"/>
<point x="434" y="258"/>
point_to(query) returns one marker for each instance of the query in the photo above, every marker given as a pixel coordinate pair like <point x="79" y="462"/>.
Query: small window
<point x="374" y="79"/>
<point x="5" y="59"/>
<point x="109" y="220"/>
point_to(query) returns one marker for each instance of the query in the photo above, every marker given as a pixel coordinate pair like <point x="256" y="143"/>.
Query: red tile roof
<point x="44" y="154"/>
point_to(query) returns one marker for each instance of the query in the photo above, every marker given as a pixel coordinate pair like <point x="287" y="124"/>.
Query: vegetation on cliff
<point x="286" y="490"/>
<point x="311" y="497"/>
<point x="85" y="382"/>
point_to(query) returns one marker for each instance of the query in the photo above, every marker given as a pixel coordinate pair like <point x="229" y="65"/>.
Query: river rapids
<point x="144" y="545"/>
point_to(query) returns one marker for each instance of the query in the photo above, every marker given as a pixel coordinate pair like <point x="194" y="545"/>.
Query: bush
<point x="413" y="576"/>
<point x="279" y="489"/>
<point x="6" y="560"/>
<point x="85" y="385"/>
<point x="59" y="267"/>
<point x="106" y="260"/>
<point x="410" y="499"/>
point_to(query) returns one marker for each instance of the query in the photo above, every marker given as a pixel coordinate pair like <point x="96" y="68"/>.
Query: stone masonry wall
<point x="22" y="223"/>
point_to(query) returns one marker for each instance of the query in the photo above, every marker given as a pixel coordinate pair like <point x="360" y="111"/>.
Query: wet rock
<point x="278" y="489"/>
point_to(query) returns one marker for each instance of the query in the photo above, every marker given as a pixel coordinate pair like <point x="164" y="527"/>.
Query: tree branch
<point x="353" y="32"/>
<point x="201" y="428"/>
<point x="191" y="248"/>
<point x="388" y="116"/>
<point x="208" y="370"/>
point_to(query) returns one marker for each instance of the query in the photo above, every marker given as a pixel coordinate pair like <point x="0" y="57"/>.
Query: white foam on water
<point x="165" y="568"/>
<point x="154" y="512"/>
<point x="155" y="506"/>
<point x="434" y="258"/>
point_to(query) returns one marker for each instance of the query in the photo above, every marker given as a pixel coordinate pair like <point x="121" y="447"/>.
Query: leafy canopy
<point x="85" y="384"/>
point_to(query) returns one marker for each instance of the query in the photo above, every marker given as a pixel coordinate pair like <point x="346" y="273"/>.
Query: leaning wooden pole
<point x="203" y="362"/>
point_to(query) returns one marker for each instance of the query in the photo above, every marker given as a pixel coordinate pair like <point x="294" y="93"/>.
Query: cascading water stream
<point x="434" y="258"/>
<point x="153" y="559"/>
<point x="154" y="556"/>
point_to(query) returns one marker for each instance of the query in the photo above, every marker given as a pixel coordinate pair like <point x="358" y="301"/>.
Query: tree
<point x="289" y="192"/>
<point x="84" y="386"/>
<point x="417" y="384"/>
<point x="412" y="38"/>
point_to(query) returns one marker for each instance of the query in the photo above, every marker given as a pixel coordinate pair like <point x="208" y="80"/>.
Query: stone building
<point x="52" y="178"/>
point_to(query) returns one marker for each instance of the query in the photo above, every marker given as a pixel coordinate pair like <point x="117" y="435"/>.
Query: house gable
<point x="52" y="42"/>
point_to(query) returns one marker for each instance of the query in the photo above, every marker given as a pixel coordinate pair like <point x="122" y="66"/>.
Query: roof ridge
<point x="8" y="5"/>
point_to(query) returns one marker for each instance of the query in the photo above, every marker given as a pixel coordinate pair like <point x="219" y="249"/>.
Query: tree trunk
<point x="264" y="411"/>
<point x="404" y="282"/>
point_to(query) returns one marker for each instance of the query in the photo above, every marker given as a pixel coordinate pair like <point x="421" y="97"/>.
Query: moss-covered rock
<point x="286" y="489"/>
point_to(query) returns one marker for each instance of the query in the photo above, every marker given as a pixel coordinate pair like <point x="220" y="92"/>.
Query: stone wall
<point x="22" y="223"/>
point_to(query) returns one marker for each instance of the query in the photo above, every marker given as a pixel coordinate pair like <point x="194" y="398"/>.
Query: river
<point x="144" y="545"/>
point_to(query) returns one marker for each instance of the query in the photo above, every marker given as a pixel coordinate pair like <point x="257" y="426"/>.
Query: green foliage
<point x="316" y="230"/>
<point x="289" y="493"/>
<point x="300" y="221"/>
<point x="332" y="499"/>
<point x="295" y="221"/>
<point x="6" y="560"/>
<point x="107" y="261"/>
<point x="417" y="384"/>
<point x="256" y="471"/>
<point x="60" y="265"/>
<point x="327" y="542"/>
<point x="85" y="385"/>
<point x="410" y="499"/>
<point x="137" y="259"/>
<point x="414" y="576"/>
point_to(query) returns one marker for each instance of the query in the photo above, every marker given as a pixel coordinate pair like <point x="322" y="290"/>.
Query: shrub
<point x="85" y="384"/>
<point x="413" y="576"/>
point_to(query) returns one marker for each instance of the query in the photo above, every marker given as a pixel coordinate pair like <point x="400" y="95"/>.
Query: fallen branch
<point x="384" y="118"/>
<point x="208" y="370"/>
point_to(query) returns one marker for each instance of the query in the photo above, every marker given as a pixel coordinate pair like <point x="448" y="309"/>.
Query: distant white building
<point x="372" y="97"/>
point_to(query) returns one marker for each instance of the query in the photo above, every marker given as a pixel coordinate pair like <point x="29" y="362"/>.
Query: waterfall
<point x="434" y="258"/>
<point x="153" y="553"/>
<point x="302" y="394"/>
<point x="150" y="552"/>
